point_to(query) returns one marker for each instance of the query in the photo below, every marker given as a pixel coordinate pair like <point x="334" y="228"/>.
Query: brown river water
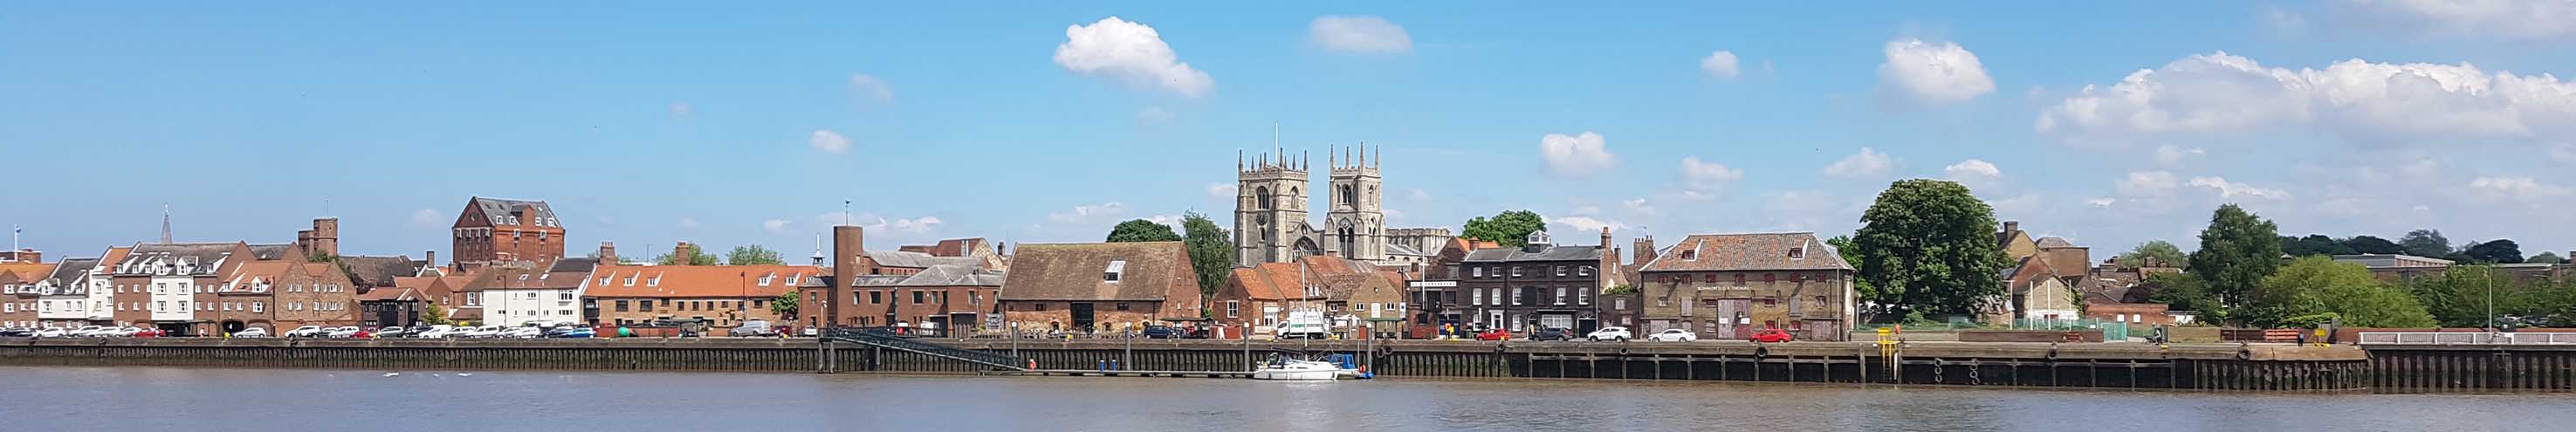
<point x="172" y="399"/>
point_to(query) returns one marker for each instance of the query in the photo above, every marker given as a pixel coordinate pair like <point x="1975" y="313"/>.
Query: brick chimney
<point x="325" y="237"/>
<point x="2011" y="227"/>
<point x="430" y="257"/>
<point x="608" y="253"/>
<point x="680" y="253"/>
<point x="849" y="244"/>
<point x="1609" y="261"/>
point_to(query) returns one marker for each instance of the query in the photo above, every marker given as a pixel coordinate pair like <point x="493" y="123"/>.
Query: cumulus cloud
<point x="1703" y="179"/>
<point x="2231" y="190"/>
<point x="2169" y="155"/>
<point x="1153" y="116"/>
<point x="2101" y="202"/>
<point x="2503" y="19"/>
<point x="775" y="226"/>
<point x="1223" y="191"/>
<point x="827" y="141"/>
<point x="2146" y="183"/>
<point x="1868" y="163"/>
<point x="1358" y="34"/>
<point x="870" y="87"/>
<point x="1972" y="170"/>
<point x="1719" y="64"/>
<point x="2360" y="101"/>
<point x="428" y="218"/>
<point x="687" y="223"/>
<point x="1585" y="224"/>
<point x="1577" y="155"/>
<point x="1090" y="213"/>
<point x="2515" y="189"/>
<point x="1129" y="53"/>
<point x="1927" y="73"/>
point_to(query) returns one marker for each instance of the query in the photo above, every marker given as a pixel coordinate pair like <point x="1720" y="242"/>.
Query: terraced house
<point x="1539" y="285"/>
<point x="722" y="296"/>
<point x="1727" y="286"/>
<point x="159" y="284"/>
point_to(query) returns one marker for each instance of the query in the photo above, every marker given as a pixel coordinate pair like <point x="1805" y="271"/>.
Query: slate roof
<point x="949" y="275"/>
<point x="573" y="265"/>
<point x="380" y="270"/>
<point x="207" y="255"/>
<point x="1550" y="253"/>
<point x="1738" y="252"/>
<point x="266" y="252"/>
<point x="919" y="260"/>
<point x="498" y="211"/>
<point x="1074" y="271"/>
<point x="390" y="294"/>
<point x="70" y="269"/>
<point x="1397" y="249"/>
<point x="2054" y="242"/>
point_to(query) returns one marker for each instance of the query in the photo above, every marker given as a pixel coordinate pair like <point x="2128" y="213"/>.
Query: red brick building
<point x="724" y="296"/>
<point x="1102" y="286"/>
<point x="503" y="230"/>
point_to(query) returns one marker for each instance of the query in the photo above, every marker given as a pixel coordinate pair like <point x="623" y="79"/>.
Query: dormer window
<point x="630" y="279"/>
<point x="767" y="278"/>
<point x="655" y="281"/>
<point x="1690" y="254"/>
<point x="1115" y="268"/>
<point x="793" y="278"/>
<point x="1798" y="253"/>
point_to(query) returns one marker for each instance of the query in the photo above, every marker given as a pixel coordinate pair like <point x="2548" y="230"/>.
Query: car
<point x="388" y="332"/>
<point x="440" y="331"/>
<point x="574" y="333"/>
<point x="521" y="333"/>
<point x="1493" y="334"/>
<point x="340" y="332"/>
<point x="120" y="332"/>
<point x="754" y="328"/>
<point x="17" y="332"/>
<point x="1608" y="334"/>
<point x="1162" y="332"/>
<point x="1771" y="335"/>
<point x="1551" y="334"/>
<point x="146" y="333"/>
<point x="483" y="332"/>
<point x="1673" y="335"/>
<point x="86" y="331"/>
<point x="363" y="334"/>
<point x="53" y="333"/>
<point x="253" y="332"/>
<point x="305" y="332"/>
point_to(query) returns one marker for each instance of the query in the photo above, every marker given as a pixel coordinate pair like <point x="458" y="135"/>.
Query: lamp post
<point x="2489" y="274"/>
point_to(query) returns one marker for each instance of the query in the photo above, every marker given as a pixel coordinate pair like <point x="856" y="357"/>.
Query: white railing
<point x="2432" y="338"/>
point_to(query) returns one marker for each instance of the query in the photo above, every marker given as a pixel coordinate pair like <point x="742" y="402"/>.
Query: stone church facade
<point x="1273" y="199"/>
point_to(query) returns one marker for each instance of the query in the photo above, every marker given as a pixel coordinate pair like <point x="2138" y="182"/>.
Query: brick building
<point x="1537" y="285"/>
<point x="19" y="299"/>
<point x="948" y="296"/>
<point x="1726" y="286"/>
<point x="1099" y="286"/>
<point x="161" y="284"/>
<point x="493" y="230"/>
<point x="278" y="295"/>
<point x="722" y="296"/>
<point x="63" y="296"/>
<point x="1356" y="295"/>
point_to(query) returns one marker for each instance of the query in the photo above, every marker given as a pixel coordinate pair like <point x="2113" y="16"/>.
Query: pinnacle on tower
<point x="165" y="223"/>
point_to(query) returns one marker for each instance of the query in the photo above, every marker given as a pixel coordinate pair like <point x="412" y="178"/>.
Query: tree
<point x="1851" y="255"/>
<point x="2546" y="258"/>
<point x="2154" y="253"/>
<point x="434" y="315"/>
<point x="2236" y="252"/>
<point x="1511" y="228"/>
<point x="2179" y="291"/>
<point x="1928" y="246"/>
<point x="751" y="255"/>
<point x="1211" y="252"/>
<point x="1141" y="230"/>
<point x="2313" y="244"/>
<point x="694" y="256"/>
<point x="2499" y="251"/>
<point x="784" y="305"/>
<point x="2372" y="245"/>
<point x="2425" y="243"/>
<point x="2319" y="286"/>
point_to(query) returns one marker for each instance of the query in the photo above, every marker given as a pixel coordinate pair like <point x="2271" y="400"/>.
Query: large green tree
<point x="784" y="305"/>
<point x="1141" y="230"/>
<point x="2313" y="289"/>
<point x="1211" y="252"/>
<point x="2178" y="291"/>
<point x="751" y="255"/>
<point x="2237" y="251"/>
<point x="1851" y="255"/>
<point x="2426" y="243"/>
<point x="2372" y="245"/>
<point x="2499" y="251"/>
<point x="1511" y="228"/>
<point x="691" y="255"/>
<point x="1928" y="246"/>
<point x="2313" y="244"/>
<point x="2154" y="253"/>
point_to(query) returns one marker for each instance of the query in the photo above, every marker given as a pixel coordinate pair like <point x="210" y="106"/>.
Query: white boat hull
<point x="1297" y="375"/>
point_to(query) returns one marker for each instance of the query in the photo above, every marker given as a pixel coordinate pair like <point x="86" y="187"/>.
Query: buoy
<point x="1033" y="364"/>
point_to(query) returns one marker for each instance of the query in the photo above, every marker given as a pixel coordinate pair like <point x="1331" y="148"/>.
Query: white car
<point x="1608" y="334"/>
<point x="480" y="332"/>
<point x="522" y="333"/>
<point x="52" y="333"/>
<point x="305" y="331"/>
<point x="1673" y="335"/>
<point x="340" y="332"/>
<point x="440" y="331"/>
<point x="85" y="331"/>
<point x="122" y="332"/>
<point x="253" y="332"/>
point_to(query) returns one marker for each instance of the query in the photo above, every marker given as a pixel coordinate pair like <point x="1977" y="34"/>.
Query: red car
<point x="1494" y="334"/>
<point x="149" y="332"/>
<point x="364" y="333"/>
<point x="1771" y="335"/>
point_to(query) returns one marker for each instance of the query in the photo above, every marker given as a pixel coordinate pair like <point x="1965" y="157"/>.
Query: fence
<point x="2433" y="338"/>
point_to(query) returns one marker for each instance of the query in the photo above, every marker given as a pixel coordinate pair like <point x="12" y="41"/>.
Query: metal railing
<point x="2456" y="338"/>
<point x="895" y="338"/>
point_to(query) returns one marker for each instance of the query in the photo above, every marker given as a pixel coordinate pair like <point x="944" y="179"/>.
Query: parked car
<point x="441" y="331"/>
<point x="1673" y="335"/>
<point x="340" y="332"/>
<point x="483" y="332"/>
<point x="363" y="334"/>
<point x="120" y="332"/>
<point x="521" y="333"/>
<point x="753" y="328"/>
<point x="1162" y="332"/>
<point x="1612" y="333"/>
<point x="389" y="332"/>
<point x="1551" y="334"/>
<point x="17" y="332"/>
<point x="86" y="331"/>
<point x="145" y="333"/>
<point x="1493" y="334"/>
<point x="253" y="332"/>
<point x="305" y="331"/>
<point x="53" y="333"/>
<point x="1771" y="335"/>
<point x="574" y="333"/>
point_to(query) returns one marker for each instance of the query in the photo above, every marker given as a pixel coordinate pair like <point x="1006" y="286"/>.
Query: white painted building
<point x="550" y="296"/>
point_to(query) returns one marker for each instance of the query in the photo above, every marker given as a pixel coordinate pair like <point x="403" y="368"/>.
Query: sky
<point x="648" y="123"/>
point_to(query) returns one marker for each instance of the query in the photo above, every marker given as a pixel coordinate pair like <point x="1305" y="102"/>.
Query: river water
<point x="158" y="399"/>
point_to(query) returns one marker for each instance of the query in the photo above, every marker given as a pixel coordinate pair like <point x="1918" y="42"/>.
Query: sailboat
<point x="1287" y="366"/>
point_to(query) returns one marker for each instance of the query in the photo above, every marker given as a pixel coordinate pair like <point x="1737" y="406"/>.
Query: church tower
<point x="1355" y="227"/>
<point x="1269" y="207"/>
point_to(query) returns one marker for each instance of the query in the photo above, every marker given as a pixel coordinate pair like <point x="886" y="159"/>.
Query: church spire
<point x="165" y="223"/>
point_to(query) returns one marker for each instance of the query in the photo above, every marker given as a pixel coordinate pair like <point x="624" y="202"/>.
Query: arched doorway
<point x="234" y="326"/>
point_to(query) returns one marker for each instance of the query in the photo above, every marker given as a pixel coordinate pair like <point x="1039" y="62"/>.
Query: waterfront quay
<point x="2217" y="367"/>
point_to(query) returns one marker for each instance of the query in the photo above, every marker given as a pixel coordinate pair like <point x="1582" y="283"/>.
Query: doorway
<point x="1082" y="316"/>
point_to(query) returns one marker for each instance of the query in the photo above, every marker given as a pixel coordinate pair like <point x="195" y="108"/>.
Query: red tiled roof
<point x="697" y="281"/>
<point x="1732" y="252"/>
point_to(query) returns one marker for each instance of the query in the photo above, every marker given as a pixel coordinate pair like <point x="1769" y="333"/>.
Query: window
<point x="258" y="307"/>
<point x="1739" y="278"/>
<point x="1478" y="297"/>
<point x="1480" y="271"/>
<point x="1560" y="295"/>
<point x="767" y="278"/>
<point x="1583" y="271"/>
<point x="655" y="281"/>
<point x="1519" y="297"/>
<point x="1041" y="306"/>
<point x="916" y="296"/>
<point x="1122" y="307"/>
<point x="1115" y="267"/>
<point x="1560" y="271"/>
<point x="1797" y="253"/>
<point x="1516" y="271"/>
<point x="1793" y="307"/>
<point x="646" y="305"/>
<point x="630" y="279"/>
<point x="1619" y="303"/>
<point x="873" y="297"/>
<point x="1584" y="297"/>
<point x="1690" y="254"/>
<point x="1770" y="277"/>
<point x="1233" y="307"/>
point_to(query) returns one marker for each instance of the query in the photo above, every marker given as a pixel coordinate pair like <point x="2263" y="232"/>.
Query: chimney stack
<point x="2011" y="227"/>
<point x="849" y="243"/>
<point x="680" y="254"/>
<point x="608" y="253"/>
<point x="429" y="257"/>
<point x="1609" y="262"/>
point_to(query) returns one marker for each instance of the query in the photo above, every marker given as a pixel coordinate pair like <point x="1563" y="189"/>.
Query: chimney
<point x="848" y="245"/>
<point x="430" y="257"/>
<point x="2011" y="227"/>
<point x="1609" y="261"/>
<point x="1645" y="250"/>
<point x="608" y="253"/>
<point x="680" y="253"/>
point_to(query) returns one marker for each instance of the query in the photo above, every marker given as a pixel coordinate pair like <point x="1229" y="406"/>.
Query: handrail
<point x="2464" y="338"/>
<point x="885" y="337"/>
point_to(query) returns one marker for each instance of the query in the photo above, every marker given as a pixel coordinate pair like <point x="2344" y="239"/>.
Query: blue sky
<point x="647" y="124"/>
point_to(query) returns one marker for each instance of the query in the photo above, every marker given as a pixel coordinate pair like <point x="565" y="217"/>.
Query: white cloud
<point x="2146" y="183"/>
<point x="1130" y="53"/>
<point x="428" y="218"/>
<point x="1576" y="156"/>
<point x="775" y="226"/>
<point x="2101" y="202"/>
<point x="1588" y="210"/>
<point x="2563" y="153"/>
<point x="871" y="87"/>
<point x="1584" y="224"/>
<point x="1359" y="34"/>
<point x="1972" y="170"/>
<point x="687" y="223"/>
<point x="1153" y="116"/>
<point x="827" y="141"/>
<point x="2360" y="101"/>
<point x="1719" y="64"/>
<point x="1926" y="73"/>
<point x="916" y="225"/>
<point x="680" y="109"/>
<point x="2504" y="19"/>
<point x="2515" y="189"/>
<point x="2169" y="155"/>
<point x="1702" y="179"/>
<point x="1638" y="206"/>
<point x="1417" y="194"/>
<point x="1223" y="191"/>
<point x="2231" y="190"/>
<point x="1090" y="213"/>
<point x="1170" y="220"/>
<point x="1868" y="163"/>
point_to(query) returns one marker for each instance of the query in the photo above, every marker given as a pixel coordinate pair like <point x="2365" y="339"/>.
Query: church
<point x="1270" y="213"/>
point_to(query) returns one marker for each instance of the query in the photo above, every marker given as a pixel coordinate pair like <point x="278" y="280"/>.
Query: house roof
<point x="918" y="260"/>
<point x="28" y="272"/>
<point x="498" y="211"/>
<point x="1548" y="253"/>
<point x="1077" y="271"/>
<point x="1759" y="251"/>
<point x="379" y="270"/>
<point x="207" y="255"/>
<point x="114" y="255"/>
<point x="1397" y="249"/>
<point x="949" y="275"/>
<point x="271" y="251"/>
<point x="1333" y="277"/>
<point x="2054" y="242"/>
<point x="70" y="269"/>
<point x="390" y="294"/>
<point x="726" y="281"/>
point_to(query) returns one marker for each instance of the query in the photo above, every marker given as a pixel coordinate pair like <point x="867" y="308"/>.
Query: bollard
<point x="1113" y="365"/>
<point x="1104" y="365"/>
